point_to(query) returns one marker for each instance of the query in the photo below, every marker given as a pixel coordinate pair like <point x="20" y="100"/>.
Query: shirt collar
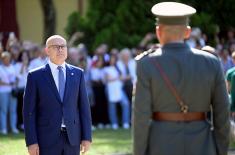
<point x="54" y="66"/>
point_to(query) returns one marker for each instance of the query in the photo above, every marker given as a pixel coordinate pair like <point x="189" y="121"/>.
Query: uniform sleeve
<point x="141" y="112"/>
<point x="220" y="104"/>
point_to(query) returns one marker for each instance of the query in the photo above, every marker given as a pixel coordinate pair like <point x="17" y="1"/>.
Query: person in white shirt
<point x="22" y="69"/>
<point x="127" y="69"/>
<point x="116" y="94"/>
<point x="100" y="108"/>
<point x="83" y="56"/>
<point x="8" y="102"/>
<point x="39" y="60"/>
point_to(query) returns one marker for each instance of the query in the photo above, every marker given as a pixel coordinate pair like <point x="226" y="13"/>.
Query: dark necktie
<point x="61" y="82"/>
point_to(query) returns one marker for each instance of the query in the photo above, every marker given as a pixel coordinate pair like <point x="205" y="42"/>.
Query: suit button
<point x="30" y="114"/>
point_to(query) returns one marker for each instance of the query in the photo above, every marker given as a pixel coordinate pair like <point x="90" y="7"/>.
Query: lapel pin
<point x="72" y="74"/>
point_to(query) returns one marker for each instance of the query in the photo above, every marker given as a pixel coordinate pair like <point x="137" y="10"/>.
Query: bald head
<point x="56" y="49"/>
<point x="54" y="39"/>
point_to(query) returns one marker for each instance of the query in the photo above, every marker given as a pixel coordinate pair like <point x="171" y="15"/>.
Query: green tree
<point x="213" y="13"/>
<point x="123" y="23"/>
<point x="49" y="14"/>
<point x="119" y="23"/>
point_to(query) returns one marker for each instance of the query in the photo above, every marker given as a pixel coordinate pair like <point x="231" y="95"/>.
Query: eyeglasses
<point x="58" y="47"/>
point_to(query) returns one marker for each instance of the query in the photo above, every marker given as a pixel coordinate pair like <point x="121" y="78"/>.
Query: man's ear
<point x="158" y="33"/>
<point x="187" y="33"/>
<point x="46" y="50"/>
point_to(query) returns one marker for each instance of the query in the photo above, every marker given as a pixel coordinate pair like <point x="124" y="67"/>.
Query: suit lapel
<point x="69" y="82"/>
<point x="50" y="80"/>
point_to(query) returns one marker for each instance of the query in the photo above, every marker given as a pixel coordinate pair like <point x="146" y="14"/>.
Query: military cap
<point x="172" y="13"/>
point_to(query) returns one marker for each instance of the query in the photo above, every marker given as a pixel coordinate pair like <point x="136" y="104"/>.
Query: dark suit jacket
<point x="43" y="108"/>
<point x="199" y="79"/>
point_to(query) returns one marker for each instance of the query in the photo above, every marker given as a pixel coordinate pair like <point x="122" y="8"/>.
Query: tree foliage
<point x="49" y="13"/>
<point x="123" y="23"/>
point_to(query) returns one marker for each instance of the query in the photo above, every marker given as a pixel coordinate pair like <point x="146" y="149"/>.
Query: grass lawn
<point x="105" y="142"/>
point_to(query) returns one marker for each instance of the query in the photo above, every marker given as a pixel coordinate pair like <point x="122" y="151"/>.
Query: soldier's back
<point x="191" y="71"/>
<point x="196" y="75"/>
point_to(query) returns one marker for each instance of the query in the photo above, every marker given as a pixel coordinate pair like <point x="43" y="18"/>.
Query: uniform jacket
<point x="198" y="78"/>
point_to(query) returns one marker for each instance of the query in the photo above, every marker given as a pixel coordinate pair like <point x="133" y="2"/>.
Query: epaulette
<point x="144" y="54"/>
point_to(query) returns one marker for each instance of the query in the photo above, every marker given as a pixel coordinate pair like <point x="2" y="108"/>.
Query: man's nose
<point x="60" y="48"/>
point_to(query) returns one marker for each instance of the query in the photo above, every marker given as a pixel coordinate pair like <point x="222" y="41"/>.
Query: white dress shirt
<point x="55" y="74"/>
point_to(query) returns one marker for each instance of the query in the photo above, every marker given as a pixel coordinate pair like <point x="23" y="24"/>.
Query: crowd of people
<point x="110" y="76"/>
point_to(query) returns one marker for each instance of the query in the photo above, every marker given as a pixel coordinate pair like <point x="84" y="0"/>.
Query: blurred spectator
<point x="205" y="38"/>
<point x="83" y="63"/>
<point x="231" y="48"/>
<point x="96" y="76"/>
<point x="229" y="74"/>
<point x="40" y="58"/>
<point x="75" y="37"/>
<point x="12" y="40"/>
<point x="73" y="56"/>
<point x="146" y="40"/>
<point x="233" y="56"/>
<point x="101" y="51"/>
<point x="231" y="39"/>
<point x="230" y="82"/>
<point x="83" y="55"/>
<point x="116" y="94"/>
<point x="14" y="50"/>
<point x="22" y="69"/>
<point x="127" y="70"/>
<point x="29" y="47"/>
<point x="79" y="55"/>
<point x="1" y="49"/>
<point x="198" y="44"/>
<point x="196" y="38"/>
<point x="99" y="110"/>
<point x="8" y="102"/>
<point x="226" y="60"/>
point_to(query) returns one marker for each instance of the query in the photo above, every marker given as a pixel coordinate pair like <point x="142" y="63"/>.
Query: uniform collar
<point x="176" y="46"/>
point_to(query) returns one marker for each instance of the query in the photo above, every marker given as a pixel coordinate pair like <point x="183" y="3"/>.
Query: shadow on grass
<point x="12" y="136"/>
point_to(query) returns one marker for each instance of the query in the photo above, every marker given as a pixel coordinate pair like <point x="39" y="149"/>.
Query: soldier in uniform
<point x="176" y="86"/>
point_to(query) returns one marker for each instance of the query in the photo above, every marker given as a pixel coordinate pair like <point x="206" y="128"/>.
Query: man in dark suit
<point x="176" y="86"/>
<point x="56" y="110"/>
